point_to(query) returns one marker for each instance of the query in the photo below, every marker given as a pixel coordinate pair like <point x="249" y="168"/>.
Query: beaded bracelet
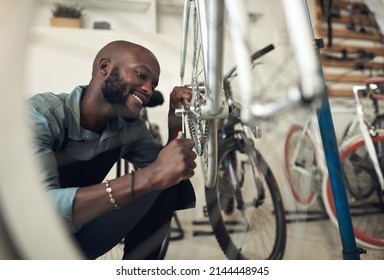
<point x="133" y="185"/>
<point x="108" y="189"/>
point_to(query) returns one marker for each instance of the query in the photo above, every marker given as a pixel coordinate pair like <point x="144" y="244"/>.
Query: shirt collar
<point x="72" y="111"/>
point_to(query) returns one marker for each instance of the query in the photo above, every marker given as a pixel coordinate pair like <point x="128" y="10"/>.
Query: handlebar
<point x="235" y="107"/>
<point x="254" y="56"/>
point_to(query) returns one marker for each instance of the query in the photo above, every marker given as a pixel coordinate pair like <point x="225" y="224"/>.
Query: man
<point x="78" y="138"/>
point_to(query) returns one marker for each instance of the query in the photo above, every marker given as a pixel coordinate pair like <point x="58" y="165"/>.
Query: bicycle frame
<point x="312" y="91"/>
<point x="360" y="124"/>
<point x="366" y="135"/>
<point x="211" y="16"/>
<point x="312" y="86"/>
<point x="211" y="23"/>
<point x="247" y="145"/>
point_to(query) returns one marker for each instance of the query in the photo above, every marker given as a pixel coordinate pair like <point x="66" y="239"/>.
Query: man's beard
<point x="113" y="88"/>
<point x="113" y="91"/>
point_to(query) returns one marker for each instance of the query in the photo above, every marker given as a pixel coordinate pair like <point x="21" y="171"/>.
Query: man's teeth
<point x="138" y="99"/>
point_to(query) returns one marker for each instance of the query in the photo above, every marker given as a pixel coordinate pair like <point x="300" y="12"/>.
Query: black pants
<point x="143" y="234"/>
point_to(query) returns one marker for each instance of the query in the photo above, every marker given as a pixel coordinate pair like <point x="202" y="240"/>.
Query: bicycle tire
<point x="302" y="190"/>
<point x="367" y="211"/>
<point x="30" y="229"/>
<point x="265" y="238"/>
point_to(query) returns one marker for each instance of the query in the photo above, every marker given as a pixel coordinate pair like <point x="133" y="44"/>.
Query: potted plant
<point x="66" y="15"/>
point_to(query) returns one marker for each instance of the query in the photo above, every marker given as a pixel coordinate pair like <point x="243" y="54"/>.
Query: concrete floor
<point x="308" y="236"/>
<point x="317" y="239"/>
<point x="312" y="240"/>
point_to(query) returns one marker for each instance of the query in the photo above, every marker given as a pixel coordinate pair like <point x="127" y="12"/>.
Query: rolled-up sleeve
<point x="63" y="200"/>
<point x="46" y="133"/>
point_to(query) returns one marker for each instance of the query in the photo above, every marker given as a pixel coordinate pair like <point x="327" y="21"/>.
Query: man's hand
<point x="175" y="162"/>
<point x="179" y="94"/>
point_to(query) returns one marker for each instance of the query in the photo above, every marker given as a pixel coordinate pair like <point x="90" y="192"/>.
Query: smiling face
<point x="131" y="81"/>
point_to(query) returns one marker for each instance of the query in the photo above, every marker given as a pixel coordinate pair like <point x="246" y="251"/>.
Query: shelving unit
<point x="355" y="50"/>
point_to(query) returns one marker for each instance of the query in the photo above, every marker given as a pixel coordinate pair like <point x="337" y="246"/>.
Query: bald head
<point x="121" y="52"/>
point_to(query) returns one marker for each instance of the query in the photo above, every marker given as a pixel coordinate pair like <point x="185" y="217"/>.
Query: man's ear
<point x="104" y="65"/>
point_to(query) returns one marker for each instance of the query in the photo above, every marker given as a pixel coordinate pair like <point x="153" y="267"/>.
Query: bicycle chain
<point x="195" y="123"/>
<point x="199" y="137"/>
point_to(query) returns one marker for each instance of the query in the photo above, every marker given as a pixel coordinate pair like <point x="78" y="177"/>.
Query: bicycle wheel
<point x="203" y="129"/>
<point x="301" y="165"/>
<point x="364" y="194"/>
<point x="249" y="223"/>
<point x="29" y="228"/>
<point x="198" y="127"/>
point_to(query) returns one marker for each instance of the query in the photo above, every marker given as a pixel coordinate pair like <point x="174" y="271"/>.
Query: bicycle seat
<point x="156" y="99"/>
<point x="374" y="80"/>
<point x="375" y="87"/>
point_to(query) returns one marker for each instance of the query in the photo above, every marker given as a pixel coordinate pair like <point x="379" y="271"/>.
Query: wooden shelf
<point x="347" y="45"/>
<point x="347" y="34"/>
<point x="344" y="20"/>
<point x="332" y="92"/>
<point x="353" y="64"/>
<point x="337" y="48"/>
<point x="345" y="78"/>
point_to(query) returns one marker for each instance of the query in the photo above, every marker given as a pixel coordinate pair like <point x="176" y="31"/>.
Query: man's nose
<point x="147" y="87"/>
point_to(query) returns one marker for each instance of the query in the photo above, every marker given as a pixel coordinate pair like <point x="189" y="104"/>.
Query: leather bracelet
<point x="133" y="185"/>
<point x="108" y="189"/>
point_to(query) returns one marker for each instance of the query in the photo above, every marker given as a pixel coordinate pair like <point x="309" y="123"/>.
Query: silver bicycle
<point x="305" y="88"/>
<point x="209" y="22"/>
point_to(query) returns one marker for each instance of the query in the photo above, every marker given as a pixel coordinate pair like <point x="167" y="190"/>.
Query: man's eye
<point x="141" y="75"/>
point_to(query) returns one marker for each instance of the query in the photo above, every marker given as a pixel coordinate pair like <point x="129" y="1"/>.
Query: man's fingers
<point x="179" y="135"/>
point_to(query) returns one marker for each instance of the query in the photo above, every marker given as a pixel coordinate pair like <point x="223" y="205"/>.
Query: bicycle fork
<point x="230" y="166"/>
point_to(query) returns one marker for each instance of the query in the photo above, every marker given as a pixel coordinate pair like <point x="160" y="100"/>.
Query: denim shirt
<point x="56" y="120"/>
